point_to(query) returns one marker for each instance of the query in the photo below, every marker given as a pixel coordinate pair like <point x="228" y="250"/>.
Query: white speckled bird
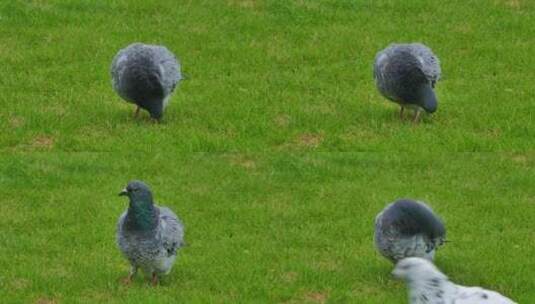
<point x="427" y="285"/>
<point x="407" y="74"/>
<point x="408" y="228"/>
<point x="149" y="236"/>
<point x="146" y="75"/>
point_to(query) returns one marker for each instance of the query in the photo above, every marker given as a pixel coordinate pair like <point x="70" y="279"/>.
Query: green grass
<point x="266" y="75"/>
<point x="262" y="228"/>
<point x="277" y="153"/>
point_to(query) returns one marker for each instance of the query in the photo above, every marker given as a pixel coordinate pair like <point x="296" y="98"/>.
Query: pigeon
<point x="146" y="75"/>
<point x="427" y="285"/>
<point x="407" y="74"/>
<point x="149" y="236"/>
<point x="408" y="228"/>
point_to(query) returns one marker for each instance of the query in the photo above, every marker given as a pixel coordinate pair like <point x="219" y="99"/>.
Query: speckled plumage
<point x="428" y="285"/>
<point x="149" y="236"/>
<point x="408" y="228"/>
<point x="146" y="75"/>
<point x="407" y="74"/>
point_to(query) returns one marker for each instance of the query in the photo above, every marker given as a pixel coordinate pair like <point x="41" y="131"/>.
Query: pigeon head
<point x="425" y="97"/>
<point x="415" y="269"/>
<point x="155" y="109"/>
<point x="138" y="192"/>
<point x="141" y="213"/>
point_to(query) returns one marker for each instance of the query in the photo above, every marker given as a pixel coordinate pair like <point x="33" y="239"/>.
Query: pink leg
<point x="130" y="277"/>
<point x="154" y="280"/>
<point x="416" y="116"/>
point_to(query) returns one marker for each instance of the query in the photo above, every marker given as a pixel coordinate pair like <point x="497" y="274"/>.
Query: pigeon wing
<point x="475" y="295"/>
<point x="429" y="63"/>
<point x="171" y="231"/>
<point x="170" y="67"/>
<point x="121" y="241"/>
<point x="117" y="67"/>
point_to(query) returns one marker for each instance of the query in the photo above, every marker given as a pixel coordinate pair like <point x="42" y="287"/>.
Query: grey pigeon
<point x="407" y="74"/>
<point x="146" y="75"/>
<point x="427" y="285"/>
<point x="149" y="236"/>
<point x="408" y="228"/>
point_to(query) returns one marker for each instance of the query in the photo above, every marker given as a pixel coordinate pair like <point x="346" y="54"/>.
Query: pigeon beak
<point x="123" y="192"/>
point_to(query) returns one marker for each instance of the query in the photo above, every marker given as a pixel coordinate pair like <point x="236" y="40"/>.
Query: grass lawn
<point x="266" y="75"/>
<point x="261" y="228"/>
<point x="277" y="152"/>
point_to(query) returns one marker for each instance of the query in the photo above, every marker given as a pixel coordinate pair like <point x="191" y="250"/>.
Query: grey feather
<point x="146" y="75"/>
<point x="407" y="74"/>
<point x="428" y="285"/>
<point x="153" y="247"/>
<point x="408" y="228"/>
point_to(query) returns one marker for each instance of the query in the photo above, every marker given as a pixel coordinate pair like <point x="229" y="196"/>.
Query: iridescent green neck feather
<point x="141" y="215"/>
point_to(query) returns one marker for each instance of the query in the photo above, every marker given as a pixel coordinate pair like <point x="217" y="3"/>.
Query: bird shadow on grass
<point x="391" y="115"/>
<point x="141" y="281"/>
<point x="124" y="117"/>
